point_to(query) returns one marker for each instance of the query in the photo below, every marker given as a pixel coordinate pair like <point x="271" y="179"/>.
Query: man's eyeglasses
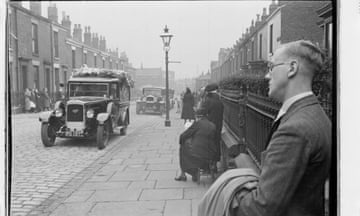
<point x="271" y="66"/>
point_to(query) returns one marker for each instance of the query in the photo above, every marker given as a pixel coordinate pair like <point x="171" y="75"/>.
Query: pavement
<point x="135" y="177"/>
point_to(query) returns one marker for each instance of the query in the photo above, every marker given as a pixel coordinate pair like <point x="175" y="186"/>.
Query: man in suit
<point x="214" y="110"/>
<point x="197" y="147"/>
<point x="296" y="162"/>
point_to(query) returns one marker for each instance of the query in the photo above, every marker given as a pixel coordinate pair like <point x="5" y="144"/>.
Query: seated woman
<point x="197" y="147"/>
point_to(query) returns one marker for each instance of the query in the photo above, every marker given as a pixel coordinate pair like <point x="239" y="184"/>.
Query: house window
<point x="73" y="58"/>
<point x="85" y="58"/>
<point x="260" y="46"/>
<point x="271" y="39"/>
<point x="56" y="44"/>
<point x="34" y="34"/>
<point x="47" y="79"/>
<point x="24" y="76"/>
<point x="252" y="50"/>
<point x="36" y="76"/>
<point x="57" y="79"/>
<point x="64" y="76"/>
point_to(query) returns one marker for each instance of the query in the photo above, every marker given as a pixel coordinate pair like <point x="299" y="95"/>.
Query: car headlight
<point x="59" y="112"/>
<point x="90" y="113"/>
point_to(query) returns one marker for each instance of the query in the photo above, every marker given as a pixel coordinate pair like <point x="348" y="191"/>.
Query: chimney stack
<point x="52" y="12"/>
<point x="66" y="23"/>
<point x="257" y="20"/>
<point x="263" y="16"/>
<point x="35" y="7"/>
<point x="102" y="43"/>
<point x="77" y="33"/>
<point x="87" y="36"/>
<point x="272" y="7"/>
<point x="95" y="41"/>
<point x="252" y="26"/>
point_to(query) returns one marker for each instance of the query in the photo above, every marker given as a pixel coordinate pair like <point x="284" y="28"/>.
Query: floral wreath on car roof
<point x="86" y="71"/>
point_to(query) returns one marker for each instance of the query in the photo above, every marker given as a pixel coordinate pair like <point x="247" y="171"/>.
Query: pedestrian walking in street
<point x="296" y="162"/>
<point x="214" y="111"/>
<point x="187" y="112"/>
<point x="197" y="147"/>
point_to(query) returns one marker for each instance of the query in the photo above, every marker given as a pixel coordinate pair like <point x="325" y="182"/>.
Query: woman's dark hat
<point x="211" y="87"/>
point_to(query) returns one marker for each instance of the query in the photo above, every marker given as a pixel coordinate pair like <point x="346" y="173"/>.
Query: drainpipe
<point x="16" y="54"/>
<point x="52" y="59"/>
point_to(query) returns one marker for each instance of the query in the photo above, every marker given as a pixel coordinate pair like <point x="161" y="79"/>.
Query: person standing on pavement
<point x="296" y="162"/>
<point x="29" y="105"/>
<point x="46" y="99"/>
<point x="187" y="112"/>
<point x="197" y="147"/>
<point x="214" y="110"/>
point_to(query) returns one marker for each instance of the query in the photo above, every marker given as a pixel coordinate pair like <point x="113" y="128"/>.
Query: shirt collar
<point x="290" y="101"/>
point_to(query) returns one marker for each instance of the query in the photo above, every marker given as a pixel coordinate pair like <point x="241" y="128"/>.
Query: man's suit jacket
<point x="294" y="166"/>
<point x="202" y="134"/>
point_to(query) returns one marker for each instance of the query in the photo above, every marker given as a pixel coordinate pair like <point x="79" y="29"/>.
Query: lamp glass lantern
<point x="166" y="38"/>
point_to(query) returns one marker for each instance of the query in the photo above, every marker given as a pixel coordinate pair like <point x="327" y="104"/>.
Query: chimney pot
<point x="35" y="7"/>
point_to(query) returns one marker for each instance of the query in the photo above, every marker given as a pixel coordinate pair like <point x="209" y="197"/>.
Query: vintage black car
<point x="97" y="102"/>
<point x="152" y="101"/>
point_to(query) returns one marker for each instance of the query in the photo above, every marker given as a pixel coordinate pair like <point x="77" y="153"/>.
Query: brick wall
<point x="299" y="20"/>
<point x="24" y="34"/>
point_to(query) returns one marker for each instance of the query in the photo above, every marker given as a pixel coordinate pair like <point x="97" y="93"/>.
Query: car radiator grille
<point x="75" y="112"/>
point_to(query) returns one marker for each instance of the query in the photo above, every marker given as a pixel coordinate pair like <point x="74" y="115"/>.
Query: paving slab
<point x="195" y="193"/>
<point x="72" y="209"/>
<point x="167" y="174"/>
<point x="159" y="160"/>
<point x="142" y="184"/>
<point x="171" y="183"/>
<point x="161" y="194"/>
<point x="177" y="208"/>
<point x="129" y="176"/>
<point x="104" y="185"/>
<point x="140" y="208"/>
<point x="79" y="196"/>
<point x="116" y="195"/>
<point x="159" y="167"/>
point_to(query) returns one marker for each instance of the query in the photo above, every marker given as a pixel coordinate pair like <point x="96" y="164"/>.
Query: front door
<point x="24" y="72"/>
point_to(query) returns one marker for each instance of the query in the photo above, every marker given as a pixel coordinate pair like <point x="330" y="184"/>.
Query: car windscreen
<point x="153" y="92"/>
<point x="88" y="89"/>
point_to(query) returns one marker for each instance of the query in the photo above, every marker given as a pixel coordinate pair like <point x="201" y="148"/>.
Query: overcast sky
<point x="200" y="29"/>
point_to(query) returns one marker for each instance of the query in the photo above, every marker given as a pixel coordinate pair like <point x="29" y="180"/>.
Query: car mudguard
<point x="45" y="116"/>
<point x="102" y="117"/>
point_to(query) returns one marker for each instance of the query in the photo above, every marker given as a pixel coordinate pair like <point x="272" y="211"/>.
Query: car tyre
<point x="102" y="135"/>
<point x="48" y="135"/>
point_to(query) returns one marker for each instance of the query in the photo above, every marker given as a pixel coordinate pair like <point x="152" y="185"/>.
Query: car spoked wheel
<point x="103" y="135"/>
<point x="48" y="134"/>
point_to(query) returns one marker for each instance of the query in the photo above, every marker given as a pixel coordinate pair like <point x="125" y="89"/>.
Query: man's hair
<point x="308" y="52"/>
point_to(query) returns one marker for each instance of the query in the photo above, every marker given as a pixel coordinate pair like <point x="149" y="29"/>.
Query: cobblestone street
<point x="38" y="172"/>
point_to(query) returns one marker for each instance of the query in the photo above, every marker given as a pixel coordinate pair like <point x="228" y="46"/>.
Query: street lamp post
<point x="166" y="37"/>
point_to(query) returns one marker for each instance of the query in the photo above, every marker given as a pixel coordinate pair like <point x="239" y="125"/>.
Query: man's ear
<point x="294" y="67"/>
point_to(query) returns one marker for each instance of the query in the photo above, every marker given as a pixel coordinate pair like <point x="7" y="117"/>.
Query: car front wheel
<point x="48" y="135"/>
<point x="102" y="135"/>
